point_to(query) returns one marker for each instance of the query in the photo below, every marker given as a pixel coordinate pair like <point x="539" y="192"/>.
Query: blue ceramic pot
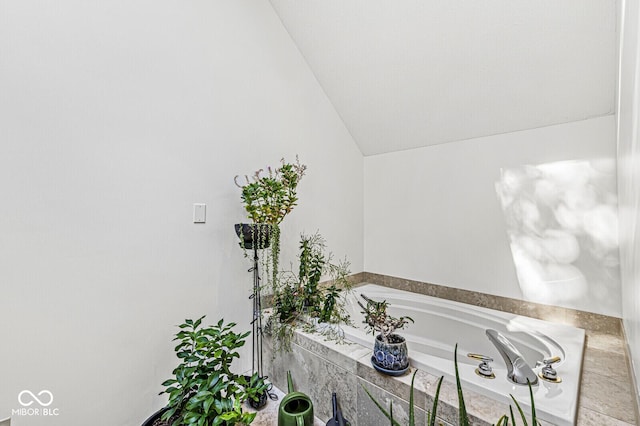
<point x="392" y="356"/>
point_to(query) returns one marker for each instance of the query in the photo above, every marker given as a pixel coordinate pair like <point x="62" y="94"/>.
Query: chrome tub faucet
<point x="518" y="371"/>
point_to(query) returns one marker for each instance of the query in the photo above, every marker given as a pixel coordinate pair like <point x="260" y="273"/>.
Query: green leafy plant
<point x="268" y="197"/>
<point x="379" y="321"/>
<point x="431" y="415"/>
<point x="255" y="389"/>
<point x="331" y="298"/>
<point x="204" y="390"/>
<point x="312" y="261"/>
<point x="302" y="296"/>
<point x="287" y="301"/>
<point x="463" y="418"/>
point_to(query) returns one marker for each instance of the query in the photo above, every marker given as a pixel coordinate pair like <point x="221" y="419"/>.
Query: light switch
<point x="199" y="213"/>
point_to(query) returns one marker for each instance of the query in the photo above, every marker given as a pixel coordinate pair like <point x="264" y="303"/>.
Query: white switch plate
<point x="199" y="213"/>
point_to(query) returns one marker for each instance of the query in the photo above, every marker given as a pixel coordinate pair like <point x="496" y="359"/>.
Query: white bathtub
<point x="440" y="324"/>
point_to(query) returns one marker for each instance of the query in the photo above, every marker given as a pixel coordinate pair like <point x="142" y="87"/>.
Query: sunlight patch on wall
<point x="562" y="223"/>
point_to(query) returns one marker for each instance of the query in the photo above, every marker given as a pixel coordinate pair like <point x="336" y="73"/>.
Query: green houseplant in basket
<point x="204" y="391"/>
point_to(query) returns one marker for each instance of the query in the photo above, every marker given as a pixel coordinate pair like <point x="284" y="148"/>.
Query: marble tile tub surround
<point x="602" y="325"/>
<point x="320" y="367"/>
<point x="573" y="317"/>
<point x="606" y="353"/>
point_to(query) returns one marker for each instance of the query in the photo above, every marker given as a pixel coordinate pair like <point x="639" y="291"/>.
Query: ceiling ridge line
<point x="315" y="77"/>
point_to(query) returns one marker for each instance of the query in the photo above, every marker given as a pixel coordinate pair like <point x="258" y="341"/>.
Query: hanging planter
<point x="390" y="357"/>
<point x="268" y="196"/>
<point x="253" y="235"/>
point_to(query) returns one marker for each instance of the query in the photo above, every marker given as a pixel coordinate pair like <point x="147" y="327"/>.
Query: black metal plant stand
<point x="256" y="324"/>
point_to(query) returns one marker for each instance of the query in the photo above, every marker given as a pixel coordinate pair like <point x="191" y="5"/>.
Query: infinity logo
<point x="35" y="398"/>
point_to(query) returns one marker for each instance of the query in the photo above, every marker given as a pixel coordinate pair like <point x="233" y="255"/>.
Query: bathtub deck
<point x="606" y="393"/>
<point x="606" y="396"/>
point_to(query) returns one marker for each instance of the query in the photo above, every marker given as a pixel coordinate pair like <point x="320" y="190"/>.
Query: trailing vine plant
<point x="268" y="196"/>
<point x="301" y="299"/>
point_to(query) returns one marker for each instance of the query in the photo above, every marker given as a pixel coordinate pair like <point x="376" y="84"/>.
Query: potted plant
<point x="257" y="390"/>
<point x="301" y="298"/>
<point x="204" y="390"/>
<point x="268" y="197"/>
<point x="390" y="353"/>
<point x="312" y="265"/>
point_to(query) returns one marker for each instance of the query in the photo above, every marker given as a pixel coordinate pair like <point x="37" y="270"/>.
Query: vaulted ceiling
<point x="411" y="73"/>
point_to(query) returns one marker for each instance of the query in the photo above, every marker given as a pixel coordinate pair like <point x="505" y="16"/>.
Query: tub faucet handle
<point x="548" y="373"/>
<point x="484" y="369"/>
<point x="550" y="361"/>
<point x="480" y="357"/>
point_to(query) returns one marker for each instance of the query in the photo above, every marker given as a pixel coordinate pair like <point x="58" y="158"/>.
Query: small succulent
<point x="377" y="319"/>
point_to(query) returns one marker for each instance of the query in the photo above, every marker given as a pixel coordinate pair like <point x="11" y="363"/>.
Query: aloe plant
<point x="431" y="416"/>
<point x="463" y="418"/>
<point x="504" y="420"/>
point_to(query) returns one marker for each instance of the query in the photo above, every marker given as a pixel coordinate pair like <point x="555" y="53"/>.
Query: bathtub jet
<point x="518" y="371"/>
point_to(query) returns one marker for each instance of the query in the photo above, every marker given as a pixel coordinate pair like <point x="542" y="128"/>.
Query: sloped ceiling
<point x="412" y="73"/>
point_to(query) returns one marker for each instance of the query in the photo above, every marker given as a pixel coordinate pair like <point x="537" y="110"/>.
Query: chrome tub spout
<point x="518" y="371"/>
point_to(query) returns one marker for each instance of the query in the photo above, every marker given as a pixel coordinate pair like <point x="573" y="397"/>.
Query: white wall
<point x="416" y="73"/>
<point x="629" y="178"/>
<point x="432" y="214"/>
<point x="115" y="117"/>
